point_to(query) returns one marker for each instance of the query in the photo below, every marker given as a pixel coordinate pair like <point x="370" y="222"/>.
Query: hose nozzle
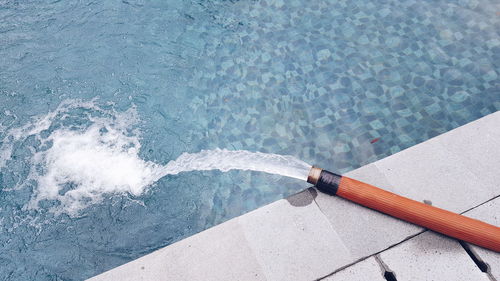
<point x="314" y="175"/>
<point x="325" y="181"/>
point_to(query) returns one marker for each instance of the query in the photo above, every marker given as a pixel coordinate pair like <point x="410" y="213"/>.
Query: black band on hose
<point x="328" y="182"/>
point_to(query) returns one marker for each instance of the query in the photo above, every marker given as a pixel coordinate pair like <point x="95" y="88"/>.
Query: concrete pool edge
<point x="311" y="235"/>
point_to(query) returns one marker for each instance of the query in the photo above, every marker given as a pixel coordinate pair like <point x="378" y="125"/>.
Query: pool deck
<point x="313" y="236"/>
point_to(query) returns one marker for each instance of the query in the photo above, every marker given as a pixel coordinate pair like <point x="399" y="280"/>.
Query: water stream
<point x="79" y="164"/>
<point x="225" y="160"/>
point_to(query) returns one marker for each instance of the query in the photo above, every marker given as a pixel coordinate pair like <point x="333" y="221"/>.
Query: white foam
<point x="39" y="124"/>
<point x="95" y="163"/>
<point x="82" y="164"/>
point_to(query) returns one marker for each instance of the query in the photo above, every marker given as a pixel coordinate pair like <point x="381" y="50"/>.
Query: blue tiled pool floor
<point x="335" y="83"/>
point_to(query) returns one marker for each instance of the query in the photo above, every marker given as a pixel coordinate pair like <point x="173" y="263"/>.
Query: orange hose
<point x="439" y="220"/>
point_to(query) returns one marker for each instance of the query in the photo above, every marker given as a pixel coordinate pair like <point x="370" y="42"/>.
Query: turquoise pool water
<point x="334" y="83"/>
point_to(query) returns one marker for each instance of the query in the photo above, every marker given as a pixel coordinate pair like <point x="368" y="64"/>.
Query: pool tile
<point x="478" y="146"/>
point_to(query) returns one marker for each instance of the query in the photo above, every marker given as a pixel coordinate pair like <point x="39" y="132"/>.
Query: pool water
<point x="132" y="84"/>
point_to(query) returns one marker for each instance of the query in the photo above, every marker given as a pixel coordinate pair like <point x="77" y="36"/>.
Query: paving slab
<point x="368" y="269"/>
<point x="294" y="242"/>
<point x="478" y="146"/>
<point x="490" y="213"/>
<point x="219" y="253"/>
<point x="362" y="230"/>
<point x="431" y="256"/>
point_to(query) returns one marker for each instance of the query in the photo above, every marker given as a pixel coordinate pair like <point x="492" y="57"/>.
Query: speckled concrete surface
<point x="311" y="236"/>
<point x="431" y="256"/>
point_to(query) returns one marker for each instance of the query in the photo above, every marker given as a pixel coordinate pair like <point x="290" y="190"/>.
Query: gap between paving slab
<point x="368" y="269"/>
<point x="490" y="213"/>
<point x="431" y="256"/>
<point x="306" y="238"/>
